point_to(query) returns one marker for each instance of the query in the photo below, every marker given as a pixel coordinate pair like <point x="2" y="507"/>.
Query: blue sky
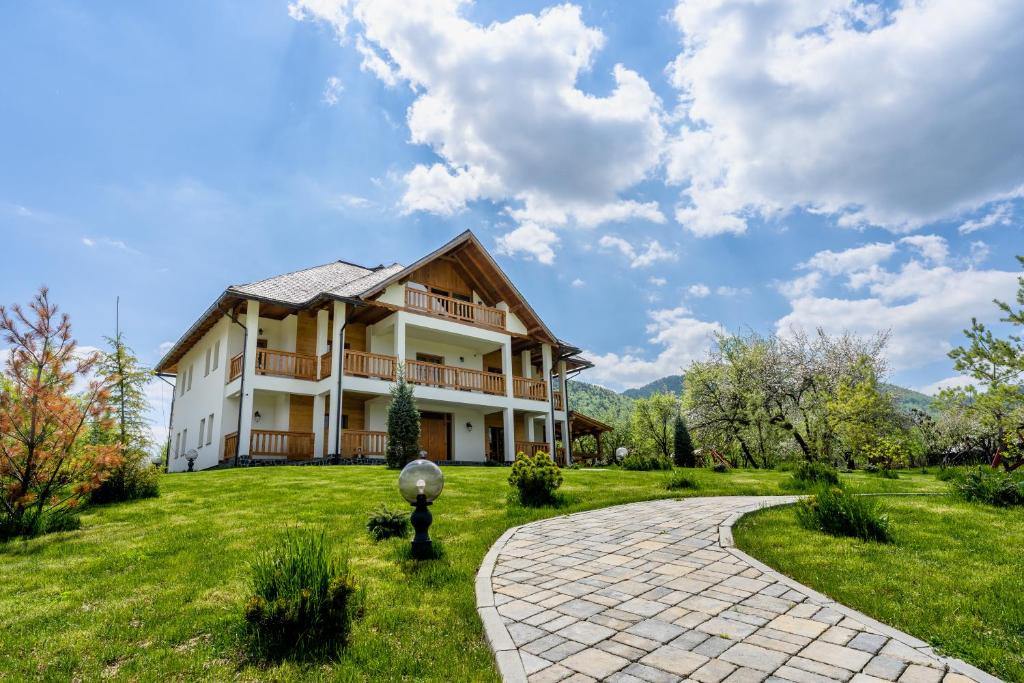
<point x="647" y="173"/>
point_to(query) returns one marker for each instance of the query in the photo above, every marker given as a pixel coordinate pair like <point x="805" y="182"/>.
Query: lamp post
<point x="620" y="453"/>
<point x="420" y="483"/>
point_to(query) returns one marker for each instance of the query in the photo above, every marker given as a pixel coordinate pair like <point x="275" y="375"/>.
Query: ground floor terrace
<point x="295" y="429"/>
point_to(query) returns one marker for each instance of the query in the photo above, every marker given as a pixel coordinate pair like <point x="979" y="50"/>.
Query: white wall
<point x="466" y="445"/>
<point x="205" y="397"/>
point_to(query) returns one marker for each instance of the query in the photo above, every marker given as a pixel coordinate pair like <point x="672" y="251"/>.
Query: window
<point x="216" y="355"/>
<point x="184" y="441"/>
<point x="209" y="430"/>
<point x="191" y="371"/>
<point x="202" y="430"/>
<point x="177" y="445"/>
<point x="344" y="421"/>
<point x="206" y="366"/>
<point x="430" y="358"/>
<point x="181" y="382"/>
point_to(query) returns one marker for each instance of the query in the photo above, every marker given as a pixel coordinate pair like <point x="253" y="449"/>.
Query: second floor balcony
<point x="422" y="301"/>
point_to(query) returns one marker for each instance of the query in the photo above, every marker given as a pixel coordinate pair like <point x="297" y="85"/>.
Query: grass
<point x="952" y="576"/>
<point x="153" y="589"/>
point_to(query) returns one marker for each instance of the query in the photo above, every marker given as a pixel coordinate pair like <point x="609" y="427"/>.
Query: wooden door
<point x="434" y="435"/>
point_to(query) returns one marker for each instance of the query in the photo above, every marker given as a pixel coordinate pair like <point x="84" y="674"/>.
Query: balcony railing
<point x="279" y="364"/>
<point x="292" y="445"/>
<point x="447" y="307"/>
<point x="534" y="389"/>
<point x="557" y="397"/>
<point x="356" y="443"/>
<point x="448" y="377"/>
<point x="230" y="445"/>
<point x="235" y="367"/>
<point x="326" y="361"/>
<point x="364" y="364"/>
<point x="532" y="447"/>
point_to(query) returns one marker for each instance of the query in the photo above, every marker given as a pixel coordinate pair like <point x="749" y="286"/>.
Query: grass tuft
<point x="839" y="514"/>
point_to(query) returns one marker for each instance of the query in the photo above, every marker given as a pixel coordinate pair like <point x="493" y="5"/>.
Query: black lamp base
<point x="422" y="546"/>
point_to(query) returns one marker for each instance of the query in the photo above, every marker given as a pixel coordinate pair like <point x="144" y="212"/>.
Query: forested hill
<point x="610" y="406"/>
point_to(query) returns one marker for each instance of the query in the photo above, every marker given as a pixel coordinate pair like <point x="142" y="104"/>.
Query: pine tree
<point x="403" y="424"/>
<point x="682" y="447"/>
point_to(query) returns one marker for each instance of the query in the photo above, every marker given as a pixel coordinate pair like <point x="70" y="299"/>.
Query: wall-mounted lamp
<point x="261" y="332"/>
<point x="256" y="417"/>
<point x="462" y="359"/>
<point x="469" y="426"/>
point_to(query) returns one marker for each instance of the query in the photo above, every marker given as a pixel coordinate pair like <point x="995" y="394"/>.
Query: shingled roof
<point x="339" y="278"/>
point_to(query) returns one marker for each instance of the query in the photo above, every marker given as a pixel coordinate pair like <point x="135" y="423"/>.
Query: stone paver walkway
<point x="656" y="592"/>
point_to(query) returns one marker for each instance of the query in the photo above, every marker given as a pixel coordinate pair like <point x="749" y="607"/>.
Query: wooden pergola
<point x="581" y="425"/>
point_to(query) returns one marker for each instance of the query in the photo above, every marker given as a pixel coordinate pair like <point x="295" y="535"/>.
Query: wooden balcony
<point x="326" y="361"/>
<point x="557" y="398"/>
<point x="357" y="444"/>
<point x="278" y="364"/>
<point x="291" y="445"/>
<point x="230" y="444"/>
<point x="532" y="447"/>
<point x="447" y="307"/>
<point x="448" y="377"/>
<point x="533" y="389"/>
<point x="362" y="364"/>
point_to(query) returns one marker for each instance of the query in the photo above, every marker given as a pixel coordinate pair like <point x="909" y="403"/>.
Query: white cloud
<point x="334" y="12"/>
<point x="531" y="240"/>
<point x="88" y="242"/>
<point x="353" y="201"/>
<point x="500" y="105"/>
<point x="164" y="347"/>
<point x="805" y="285"/>
<point x="332" y="91"/>
<point x="109" y="243"/>
<point x="932" y="247"/>
<point x="578" y="283"/>
<point x="724" y="290"/>
<point x="947" y="383"/>
<point x="835" y="107"/>
<point x="681" y="337"/>
<point x="651" y="253"/>
<point x="657" y="281"/>
<point x="698" y="290"/>
<point x="979" y="252"/>
<point x="1001" y="214"/>
<point x="850" y="260"/>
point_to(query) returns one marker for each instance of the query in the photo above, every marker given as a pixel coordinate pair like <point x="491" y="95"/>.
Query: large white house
<point x="298" y="367"/>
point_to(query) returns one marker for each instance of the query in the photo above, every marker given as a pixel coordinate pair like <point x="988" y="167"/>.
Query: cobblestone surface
<point x="656" y="592"/>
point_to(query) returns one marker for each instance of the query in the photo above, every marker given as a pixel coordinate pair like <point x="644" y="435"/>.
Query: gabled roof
<point x="359" y="285"/>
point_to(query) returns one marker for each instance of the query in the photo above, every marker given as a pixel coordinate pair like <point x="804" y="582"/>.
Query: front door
<point x="496" y="441"/>
<point x="434" y="435"/>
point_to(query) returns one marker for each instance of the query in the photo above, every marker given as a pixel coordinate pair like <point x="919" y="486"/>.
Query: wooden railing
<point x="532" y="447"/>
<point x="230" y="445"/>
<point x="293" y="445"/>
<point x="463" y="379"/>
<point x="370" y="365"/>
<point x="355" y="443"/>
<point x="557" y="397"/>
<point x="235" y="367"/>
<point x="447" y="307"/>
<point x="535" y="389"/>
<point x="326" y="361"/>
<point x="285" y="364"/>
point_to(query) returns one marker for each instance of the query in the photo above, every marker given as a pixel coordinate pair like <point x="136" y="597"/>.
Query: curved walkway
<point x="656" y="592"/>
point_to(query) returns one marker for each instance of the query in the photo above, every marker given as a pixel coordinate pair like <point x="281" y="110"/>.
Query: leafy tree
<point x="996" y="400"/>
<point x="403" y="424"/>
<point x="127" y="379"/>
<point x="46" y="464"/>
<point x="651" y="423"/>
<point x="682" y="444"/>
<point x="861" y="413"/>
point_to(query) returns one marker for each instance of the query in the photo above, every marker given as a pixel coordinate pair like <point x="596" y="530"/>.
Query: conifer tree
<point x="682" y="446"/>
<point x="403" y="424"/>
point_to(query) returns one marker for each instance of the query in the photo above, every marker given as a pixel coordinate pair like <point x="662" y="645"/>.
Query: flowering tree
<point x="46" y="463"/>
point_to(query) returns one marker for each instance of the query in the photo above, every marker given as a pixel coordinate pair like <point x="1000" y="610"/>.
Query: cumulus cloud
<point x="698" y="290"/>
<point x="834" y="107"/>
<point x="532" y="241"/>
<point x="332" y="91"/>
<point x="850" y="260"/>
<point x="500" y="106"/>
<point x="657" y="281"/>
<point x="681" y="337"/>
<point x="947" y="383"/>
<point x="578" y="283"/>
<point x="805" y="285"/>
<point x="650" y="253"/>
<point x="725" y="290"/>
<point x="1001" y="214"/>
<point x="931" y="247"/>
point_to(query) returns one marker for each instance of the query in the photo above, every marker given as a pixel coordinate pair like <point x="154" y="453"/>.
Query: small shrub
<point x="131" y="481"/>
<point x="808" y="475"/>
<point x="887" y="473"/>
<point x="681" y="480"/>
<point x="535" y="478"/>
<point x="720" y="468"/>
<point x="385" y="523"/>
<point x="986" y="485"/>
<point x="839" y="514"/>
<point x="37" y="526"/>
<point x="303" y="599"/>
<point x="645" y="463"/>
<point x="871" y="468"/>
<point x="946" y="474"/>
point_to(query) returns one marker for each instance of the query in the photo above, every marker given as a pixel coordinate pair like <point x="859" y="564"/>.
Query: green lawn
<point x="152" y="590"/>
<point x="953" y="577"/>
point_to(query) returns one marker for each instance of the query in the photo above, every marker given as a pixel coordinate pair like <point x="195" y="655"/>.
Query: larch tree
<point x="47" y="464"/>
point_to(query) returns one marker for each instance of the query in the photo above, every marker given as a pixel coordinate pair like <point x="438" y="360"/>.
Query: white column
<point x="549" y="427"/>
<point x="528" y="423"/>
<point x="510" y="435"/>
<point x="400" y="337"/>
<point x="527" y="365"/>
<point x="322" y="331"/>
<point x="252" y="332"/>
<point x="506" y="366"/>
<point x="337" y="373"/>
<point x="318" y="426"/>
<point x="566" y="437"/>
